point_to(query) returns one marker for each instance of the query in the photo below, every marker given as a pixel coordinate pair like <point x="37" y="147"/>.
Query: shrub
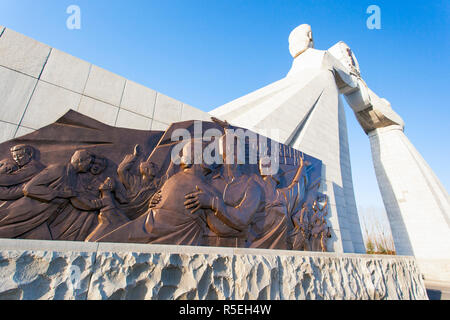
<point x="377" y="237"/>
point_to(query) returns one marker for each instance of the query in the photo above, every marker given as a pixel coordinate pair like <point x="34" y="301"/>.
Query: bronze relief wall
<point x="81" y="180"/>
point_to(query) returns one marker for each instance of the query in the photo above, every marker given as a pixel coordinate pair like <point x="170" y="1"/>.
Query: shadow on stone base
<point x="53" y="270"/>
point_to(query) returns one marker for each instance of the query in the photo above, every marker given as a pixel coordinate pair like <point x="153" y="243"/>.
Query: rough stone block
<point x="132" y="120"/>
<point x="45" y="270"/>
<point x="15" y="92"/>
<point x="160" y="276"/>
<point x="257" y="277"/>
<point x="7" y="131"/>
<point x="139" y="99"/>
<point x="23" y="54"/>
<point x="167" y="110"/>
<point x="105" y="86"/>
<point x="48" y="104"/>
<point x="66" y="71"/>
<point x="98" y="110"/>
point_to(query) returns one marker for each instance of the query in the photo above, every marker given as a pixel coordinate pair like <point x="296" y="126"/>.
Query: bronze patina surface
<point x="81" y="180"/>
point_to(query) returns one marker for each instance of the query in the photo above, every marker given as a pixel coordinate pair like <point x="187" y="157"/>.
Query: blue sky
<point x="208" y="52"/>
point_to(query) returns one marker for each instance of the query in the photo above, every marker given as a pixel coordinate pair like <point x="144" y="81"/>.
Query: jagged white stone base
<point x="71" y="270"/>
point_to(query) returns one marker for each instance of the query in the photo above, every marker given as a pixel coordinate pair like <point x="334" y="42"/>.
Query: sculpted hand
<point x="129" y="158"/>
<point x="108" y="185"/>
<point x="6" y="167"/>
<point x="11" y="168"/>
<point x="155" y="200"/>
<point x="198" y="200"/>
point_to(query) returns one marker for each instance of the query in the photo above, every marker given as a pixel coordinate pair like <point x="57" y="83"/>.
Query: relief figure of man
<point x="169" y="222"/>
<point x="231" y="199"/>
<point x="46" y="196"/>
<point x="14" y="174"/>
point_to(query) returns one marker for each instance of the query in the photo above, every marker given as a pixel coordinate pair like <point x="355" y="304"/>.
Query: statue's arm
<point x="124" y="168"/>
<point x="345" y="80"/>
<point x="298" y="175"/>
<point x="20" y="176"/>
<point x="371" y="111"/>
<point x="121" y="193"/>
<point x="293" y="193"/>
<point x="38" y="188"/>
<point x="11" y="193"/>
<point x="85" y="203"/>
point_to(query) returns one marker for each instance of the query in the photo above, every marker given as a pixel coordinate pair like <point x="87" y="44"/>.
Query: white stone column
<point x="417" y="204"/>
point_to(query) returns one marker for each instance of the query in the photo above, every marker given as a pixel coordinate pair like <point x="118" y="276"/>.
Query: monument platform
<point x="57" y="270"/>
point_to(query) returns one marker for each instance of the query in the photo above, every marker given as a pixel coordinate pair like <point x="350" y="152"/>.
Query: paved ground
<point x="438" y="290"/>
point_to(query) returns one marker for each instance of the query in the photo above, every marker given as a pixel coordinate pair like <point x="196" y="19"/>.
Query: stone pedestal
<point x="41" y="84"/>
<point x="99" y="271"/>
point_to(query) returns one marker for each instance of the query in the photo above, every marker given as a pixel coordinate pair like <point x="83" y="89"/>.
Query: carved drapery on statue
<point x="81" y="180"/>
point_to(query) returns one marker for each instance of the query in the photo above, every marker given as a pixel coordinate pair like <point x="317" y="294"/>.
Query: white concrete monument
<point x="38" y="84"/>
<point x="304" y="110"/>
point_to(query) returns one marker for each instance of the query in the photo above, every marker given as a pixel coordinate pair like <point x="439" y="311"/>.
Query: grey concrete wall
<point x="39" y="84"/>
<point x="55" y="270"/>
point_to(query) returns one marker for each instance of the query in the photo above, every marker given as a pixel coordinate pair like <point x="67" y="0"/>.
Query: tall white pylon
<point x="306" y="111"/>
